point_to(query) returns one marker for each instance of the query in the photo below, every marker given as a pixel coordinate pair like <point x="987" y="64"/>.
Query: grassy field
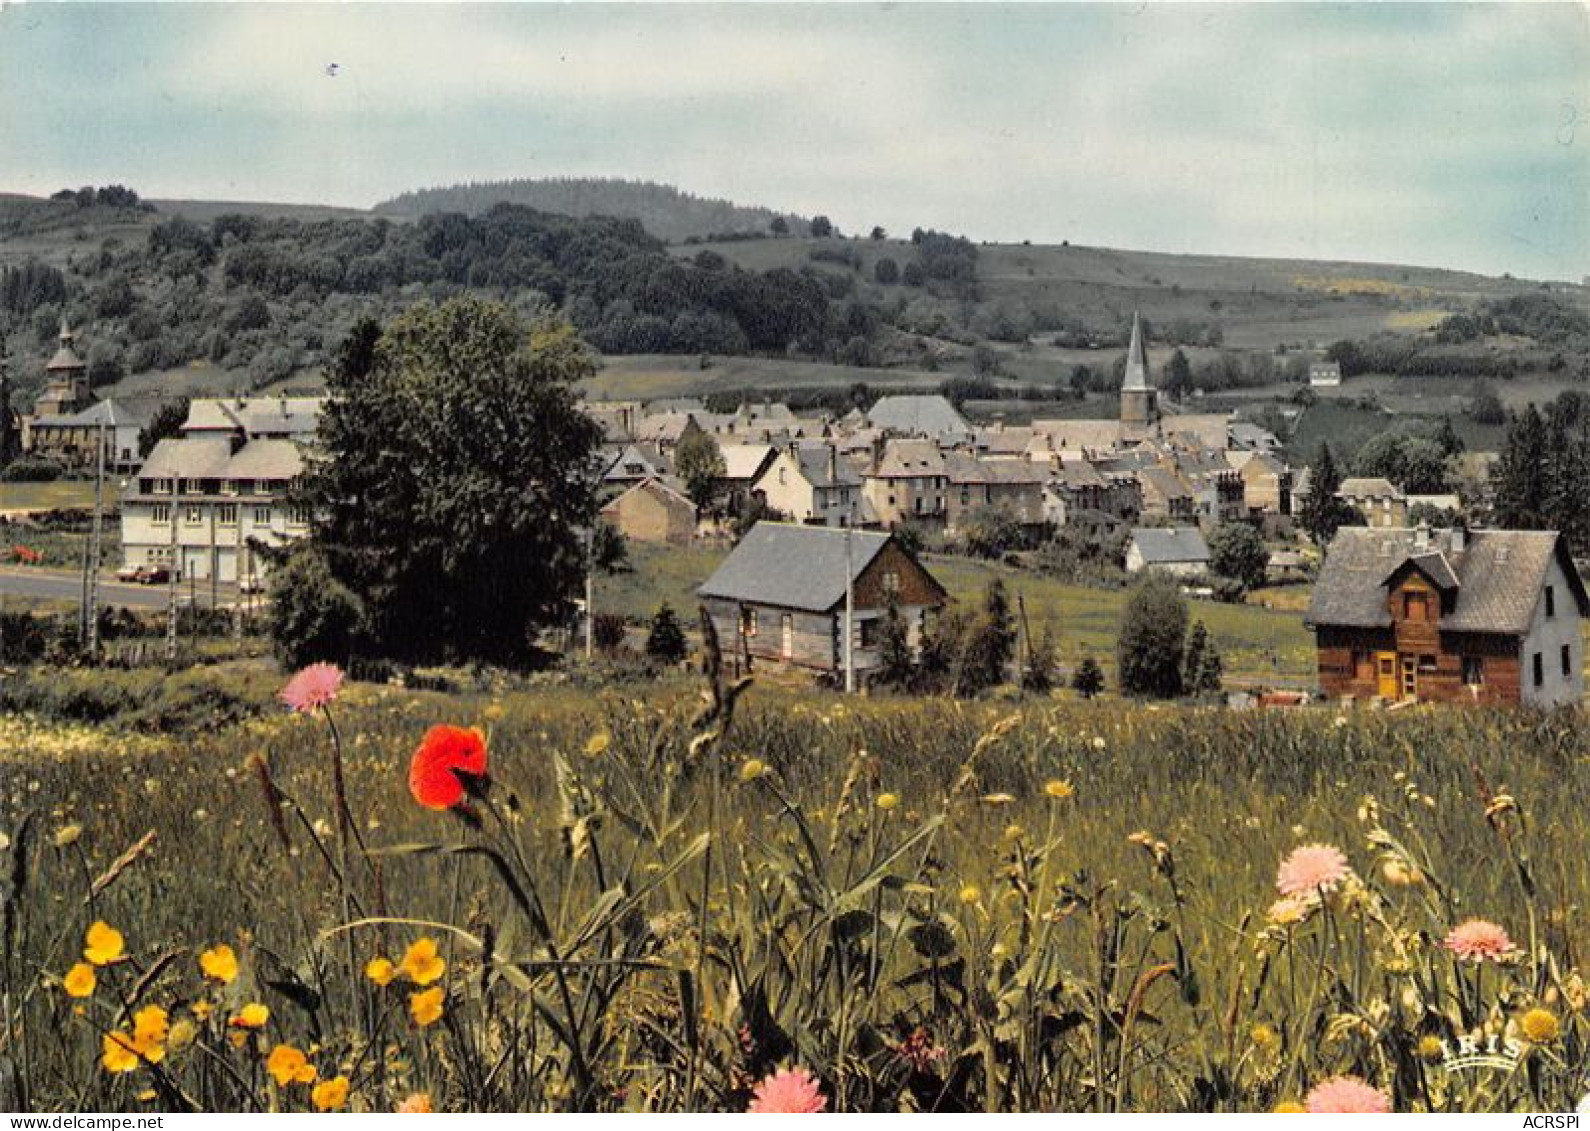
<point x="62" y="493"/>
<point x="1257" y="644"/>
<point x="932" y="905"/>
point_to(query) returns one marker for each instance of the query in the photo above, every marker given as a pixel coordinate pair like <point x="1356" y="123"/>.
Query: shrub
<point x="31" y="469"/>
<point x="313" y="616"/>
<point x="1153" y="630"/>
<point x="665" y="641"/>
<point x="1089" y="678"/>
<point x="608" y="631"/>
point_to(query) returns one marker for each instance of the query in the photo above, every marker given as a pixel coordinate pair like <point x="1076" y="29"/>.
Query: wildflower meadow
<point x="726" y="897"/>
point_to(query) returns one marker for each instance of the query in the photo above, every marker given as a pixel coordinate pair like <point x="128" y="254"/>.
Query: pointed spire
<point x="1136" y="359"/>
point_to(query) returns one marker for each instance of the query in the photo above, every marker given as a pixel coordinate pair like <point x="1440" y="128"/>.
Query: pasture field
<point x="642" y="903"/>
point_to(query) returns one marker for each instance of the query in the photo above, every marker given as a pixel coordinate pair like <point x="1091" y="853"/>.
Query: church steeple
<point x="1139" y="398"/>
<point x="1136" y="359"/>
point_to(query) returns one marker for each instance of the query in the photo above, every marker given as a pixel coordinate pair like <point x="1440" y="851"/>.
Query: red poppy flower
<point x="445" y="757"/>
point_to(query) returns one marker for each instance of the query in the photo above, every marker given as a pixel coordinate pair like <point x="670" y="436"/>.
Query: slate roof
<point x="1368" y="487"/>
<point x="814" y="458"/>
<point x="909" y="459"/>
<point x="967" y="469"/>
<point x="793" y="567"/>
<point x="213" y="458"/>
<point x="1165" y="545"/>
<point x="744" y="461"/>
<point x="1497" y="577"/>
<point x="1076" y="435"/>
<point x="921" y="415"/>
<point x="254" y="416"/>
<point x="114" y="413"/>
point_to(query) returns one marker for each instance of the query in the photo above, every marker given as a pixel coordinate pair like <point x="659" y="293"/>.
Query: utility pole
<point x="171" y="579"/>
<point x="97" y="543"/>
<point x="850" y="602"/>
<point x="590" y="594"/>
<point x="238" y="576"/>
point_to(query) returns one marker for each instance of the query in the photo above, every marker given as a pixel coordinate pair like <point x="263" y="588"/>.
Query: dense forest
<point x="270" y="296"/>
<point x="666" y="212"/>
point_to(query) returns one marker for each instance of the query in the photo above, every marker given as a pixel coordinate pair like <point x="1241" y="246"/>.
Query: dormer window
<point x="1416" y="606"/>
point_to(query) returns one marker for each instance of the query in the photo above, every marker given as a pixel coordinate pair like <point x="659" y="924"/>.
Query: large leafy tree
<point x="453" y="482"/>
<point x="1237" y="551"/>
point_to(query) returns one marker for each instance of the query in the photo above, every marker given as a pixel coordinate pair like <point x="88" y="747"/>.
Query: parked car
<point x="154" y="575"/>
<point x="129" y="573"/>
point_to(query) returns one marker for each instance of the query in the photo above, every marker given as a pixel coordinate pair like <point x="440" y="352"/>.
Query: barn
<point x="780" y="596"/>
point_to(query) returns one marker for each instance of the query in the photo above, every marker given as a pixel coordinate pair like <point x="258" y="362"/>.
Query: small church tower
<point x="66" y="380"/>
<point x="1139" y="398"/>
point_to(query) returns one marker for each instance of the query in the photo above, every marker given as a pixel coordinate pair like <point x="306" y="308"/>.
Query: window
<point x="747" y="622"/>
<point x="1427" y="663"/>
<point x="1473" y="671"/>
<point x="783" y="476"/>
<point x="869" y="633"/>
<point x="193" y="516"/>
<point x="1540" y="670"/>
<point x="226" y="514"/>
<point x="1567" y="660"/>
<point x="161" y="514"/>
<point x="1416" y="606"/>
<point x="1551" y="600"/>
<point x="891" y="581"/>
<point x="262" y="516"/>
<point x="966" y="496"/>
<point x="298" y="516"/>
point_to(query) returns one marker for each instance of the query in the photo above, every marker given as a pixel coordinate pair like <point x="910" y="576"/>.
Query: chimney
<point x="1421" y="537"/>
<point x="1458" y="537"/>
<point x="833" y="464"/>
<point x="877" y="453"/>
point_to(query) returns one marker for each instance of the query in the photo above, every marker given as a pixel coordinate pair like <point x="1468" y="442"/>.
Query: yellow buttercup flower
<point x="1290" y="1107"/>
<point x="150" y="1026"/>
<point x="80" y="980"/>
<point x="117" y="1053"/>
<point x="203" y="1009"/>
<point x="288" y="1065"/>
<point x="421" y="964"/>
<point x="887" y="801"/>
<point x="329" y="1095"/>
<point x="1058" y="789"/>
<point x="251" y="1016"/>
<point x="970" y="894"/>
<point x="380" y="971"/>
<point x="1540" y="1026"/>
<point x="597" y="744"/>
<point x="752" y="769"/>
<point x="426" y="1006"/>
<point x="1264" y="1036"/>
<point x="1431" y="1048"/>
<point x="102" y="944"/>
<point x="219" y="963"/>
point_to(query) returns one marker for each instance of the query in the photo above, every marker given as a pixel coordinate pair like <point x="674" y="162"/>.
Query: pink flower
<point x="1313" y="869"/>
<point x="312" y="688"/>
<point x="788" y="1091"/>
<point x="1346" y="1095"/>
<point x="1479" y="941"/>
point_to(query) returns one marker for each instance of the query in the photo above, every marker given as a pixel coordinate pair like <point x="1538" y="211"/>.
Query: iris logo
<point x="1481" y="1052"/>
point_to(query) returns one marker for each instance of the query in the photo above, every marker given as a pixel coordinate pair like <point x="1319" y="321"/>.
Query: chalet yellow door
<point x="1386" y="674"/>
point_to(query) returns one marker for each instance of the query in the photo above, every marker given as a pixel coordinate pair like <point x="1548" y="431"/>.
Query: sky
<point x="1453" y="135"/>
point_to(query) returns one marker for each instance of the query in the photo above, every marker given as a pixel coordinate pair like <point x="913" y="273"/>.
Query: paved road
<point x="64" y="585"/>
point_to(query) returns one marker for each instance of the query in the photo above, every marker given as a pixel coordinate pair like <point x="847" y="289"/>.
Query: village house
<point x="1078" y="493"/>
<point x="1266" y="483"/>
<point x="812" y="483"/>
<point x="907" y="482"/>
<point x="666" y="429"/>
<point x="204" y="505"/>
<point x="1180" y="551"/>
<point x="1377" y="499"/>
<point x="1324" y="375"/>
<point x="743" y="465"/>
<point x="1166" y="495"/>
<point x="653" y="511"/>
<point x="1485" y="616"/>
<point x="71" y="440"/>
<point x="636" y="463"/>
<point x="780" y="596"/>
<point x="254" y="418"/>
<point x="1014" y="487"/>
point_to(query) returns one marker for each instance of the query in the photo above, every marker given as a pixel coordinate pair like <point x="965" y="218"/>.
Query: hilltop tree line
<point x="1542" y="480"/>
